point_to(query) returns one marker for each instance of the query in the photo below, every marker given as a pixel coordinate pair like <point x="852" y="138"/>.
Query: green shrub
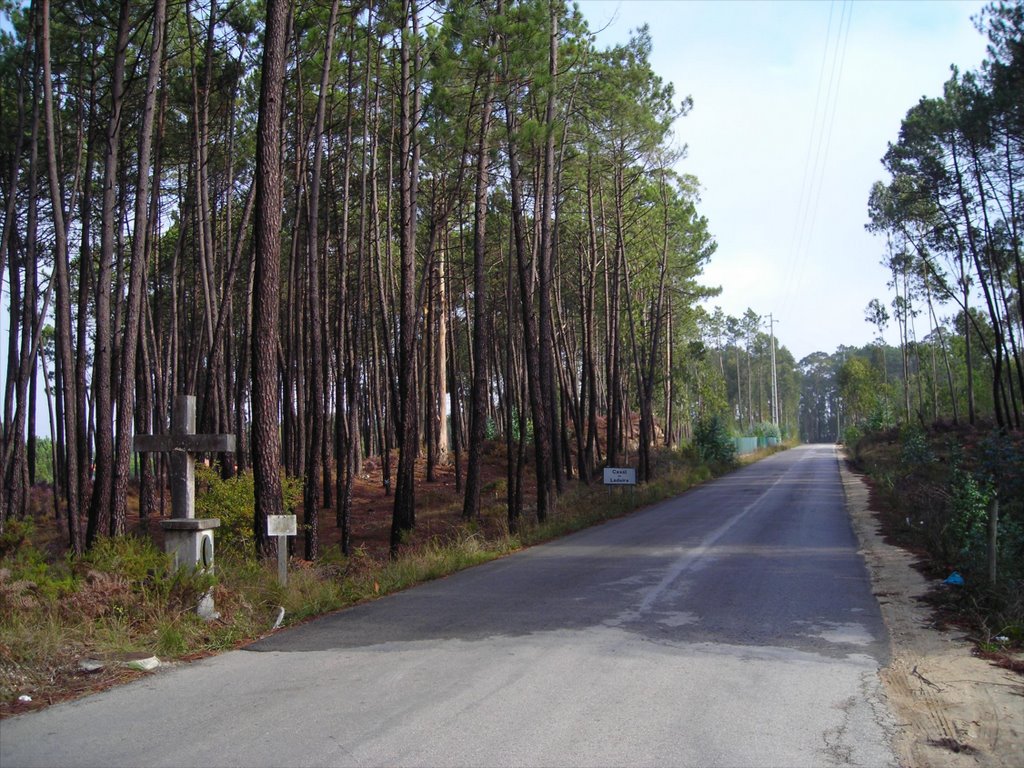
<point x="233" y="502"/>
<point x="136" y="559"/>
<point x="914" y="448"/>
<point x="516" y="417"/>
<point x="713" y="440"/>
<point x="16" y="539"/>
<point x="883" y="417"/>
<point x="22" y="563"/>
<point x="490" y="429"/>
<point x="44" y="460"/>
<point x="852" y="436"/>
<point x="968" y="530"/>
<point x="1009" y="557"/>
<point x="767" y="429"/>
<point x="1001" y="459"/>
<point x="969" y="510"/>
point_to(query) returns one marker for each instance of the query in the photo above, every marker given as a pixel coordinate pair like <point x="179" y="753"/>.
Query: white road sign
<point x="619" y="476"/>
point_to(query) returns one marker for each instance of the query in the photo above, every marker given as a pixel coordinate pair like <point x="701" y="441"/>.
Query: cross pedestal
<point x="188" y="540"/>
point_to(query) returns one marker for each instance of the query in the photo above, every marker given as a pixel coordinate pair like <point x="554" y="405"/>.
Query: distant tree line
<point x="738" y="370"/>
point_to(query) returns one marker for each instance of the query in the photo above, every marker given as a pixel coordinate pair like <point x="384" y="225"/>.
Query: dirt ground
<point x="953" y="709"/>
<point x="438" y="509"/>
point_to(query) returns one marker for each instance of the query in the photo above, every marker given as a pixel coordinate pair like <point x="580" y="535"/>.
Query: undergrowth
<point x="937" y="490"/>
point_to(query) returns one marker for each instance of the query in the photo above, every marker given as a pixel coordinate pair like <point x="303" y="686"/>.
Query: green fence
<point x="746" y="445"/>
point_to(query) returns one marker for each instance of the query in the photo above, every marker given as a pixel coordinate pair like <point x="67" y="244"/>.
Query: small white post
<point x="282" y="560"/>
<point x="282" y="526"/>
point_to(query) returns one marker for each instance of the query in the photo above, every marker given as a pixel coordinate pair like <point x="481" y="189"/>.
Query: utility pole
<point x="775" y="382"/>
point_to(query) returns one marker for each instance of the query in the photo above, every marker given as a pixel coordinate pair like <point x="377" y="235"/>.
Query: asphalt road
<point x="733" y="626"/>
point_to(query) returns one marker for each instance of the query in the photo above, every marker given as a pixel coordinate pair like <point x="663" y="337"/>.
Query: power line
<point x="818" y="146"/>
<point x="810" y="139"/>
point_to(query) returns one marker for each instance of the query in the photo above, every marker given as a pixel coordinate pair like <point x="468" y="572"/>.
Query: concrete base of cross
<point x="189" y="542"/>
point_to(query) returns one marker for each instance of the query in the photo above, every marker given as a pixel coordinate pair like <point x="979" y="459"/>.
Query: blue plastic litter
<point x="955" y="579"/>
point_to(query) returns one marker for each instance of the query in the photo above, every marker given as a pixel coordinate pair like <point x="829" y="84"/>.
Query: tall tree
<point x="481" y="317"/>
<point x="61" y="268"/>
<point x="316" y="411"/>
<point x="137" y="272"/>
<point x="266" y="441"/>
<point x="404" y="514"/>
<point x="103" y="377"/>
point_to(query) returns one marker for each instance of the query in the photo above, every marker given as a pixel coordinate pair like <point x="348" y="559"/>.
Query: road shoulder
<point x="952" y="708"/>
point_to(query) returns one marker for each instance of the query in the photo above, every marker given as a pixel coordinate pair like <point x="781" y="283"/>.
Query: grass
<point x="122" y="597"/>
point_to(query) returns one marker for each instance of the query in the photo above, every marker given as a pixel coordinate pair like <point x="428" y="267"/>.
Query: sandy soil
<point x="952" y="708"/>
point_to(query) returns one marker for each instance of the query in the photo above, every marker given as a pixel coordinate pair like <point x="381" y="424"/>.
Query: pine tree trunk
<point x="266" y="446"/>
<point x="404" y="514"/>
<point x="531" y="334"/>
<point x="479" y="393"/>
<point x="316" y="413"/>
<point x="103" y="484"/>
<point x="63" y="329"/>
<point x="136" y="281"/>
<point x="546" y="267"/>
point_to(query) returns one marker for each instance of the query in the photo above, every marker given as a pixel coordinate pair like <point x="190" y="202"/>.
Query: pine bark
<point x="404" y="515"/>
<point x="136" y="281"/>
<point x="266" y="445"/>
<point x="317" y="412"/>
<point x="479" y="392"/>
<point x="63" y="329"/>
<point x="103" y="484"/>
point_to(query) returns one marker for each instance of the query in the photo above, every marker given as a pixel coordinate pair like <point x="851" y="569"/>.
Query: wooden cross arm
<point x="190" y="443"/>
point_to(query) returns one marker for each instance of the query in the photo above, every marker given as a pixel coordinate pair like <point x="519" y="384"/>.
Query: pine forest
<point x="397" y="233"/>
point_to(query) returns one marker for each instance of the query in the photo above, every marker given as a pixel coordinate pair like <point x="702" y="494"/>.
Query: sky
<point x="794" y="106"/>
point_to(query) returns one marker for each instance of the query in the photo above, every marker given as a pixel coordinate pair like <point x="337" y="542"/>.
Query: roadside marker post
<point x="282" y="526"/>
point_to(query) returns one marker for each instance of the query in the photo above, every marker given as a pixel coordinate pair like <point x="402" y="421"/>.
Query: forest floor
<point x="57" y="675"/>
<point x="438" y="507"/>
<point x="954" y="708"/>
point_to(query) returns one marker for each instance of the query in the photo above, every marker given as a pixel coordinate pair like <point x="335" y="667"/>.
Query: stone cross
<point x="189" y="541"/>
<point x="182" y="443"/>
